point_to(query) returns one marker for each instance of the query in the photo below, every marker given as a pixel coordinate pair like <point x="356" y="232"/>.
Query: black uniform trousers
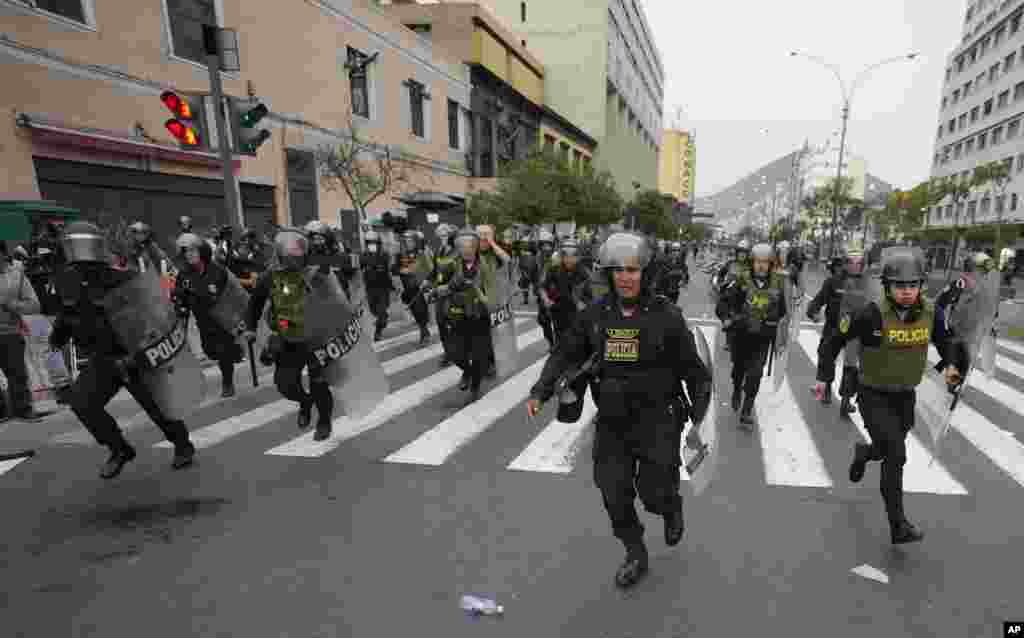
<point x="418" y="307"/>
<point x="624" y="469"/>
<point x="828" y="351"/>
<point x="749" y="355"/>
<point x="470" y="347"/>
<point x="219" y="345"/>
<point x="888" y="418"/>
<point x="379" y="299"/>
<point x="12" y="363"/>
<point x="444" y="325"/>
<point x="94" y="389"/>
<point x="561" y="320"/>
<point x="291" y="359"/>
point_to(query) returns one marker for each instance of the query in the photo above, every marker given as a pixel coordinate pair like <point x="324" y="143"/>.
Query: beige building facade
<point x="83" y="124"/>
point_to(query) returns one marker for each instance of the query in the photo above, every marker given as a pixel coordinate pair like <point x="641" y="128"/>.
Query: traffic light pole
<point x="231" y="193"/>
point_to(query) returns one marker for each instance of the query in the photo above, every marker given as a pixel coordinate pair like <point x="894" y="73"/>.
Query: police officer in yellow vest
<point x="441" y="274"/>
<point x="751" y="307"/>
<point x="894" y="332"/>
<point x="285" y="287"/>
<point x="644" y="351"/>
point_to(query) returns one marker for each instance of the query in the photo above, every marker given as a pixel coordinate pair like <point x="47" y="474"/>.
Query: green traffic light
<point x="251" y="117"/>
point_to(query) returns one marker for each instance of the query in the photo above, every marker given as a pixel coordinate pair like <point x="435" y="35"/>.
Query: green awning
<point x="16" y="216"/>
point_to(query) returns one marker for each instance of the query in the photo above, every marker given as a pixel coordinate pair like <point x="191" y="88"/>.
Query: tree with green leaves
<point x="959" y="190"/>
<point x="653" y="214"/>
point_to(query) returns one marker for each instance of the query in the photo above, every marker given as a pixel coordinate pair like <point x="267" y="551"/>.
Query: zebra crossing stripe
<point x="1011" y="346"/>
<point x="233" y="426"/>
<point x="417" y="357"/>
<point x="789" y="453"/>
<point x="920" y="474"/>
<point x="398" y="402"/>
<point x="437" y="444"/>
<point x="1005" y="452"/>
<point x="10" y="464"/>
<point x="554" y="450"/>
<point x="994" y="388"/>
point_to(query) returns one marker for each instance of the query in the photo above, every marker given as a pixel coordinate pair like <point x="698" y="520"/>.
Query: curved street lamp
<point x="847" y="94"/>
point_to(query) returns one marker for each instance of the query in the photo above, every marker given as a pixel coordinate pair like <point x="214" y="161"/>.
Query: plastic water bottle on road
<point x="481" y="606"/>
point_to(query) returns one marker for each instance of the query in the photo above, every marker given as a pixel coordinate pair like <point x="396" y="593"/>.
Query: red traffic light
<point x="176" y="104"/>
<point x="182" y="132"/>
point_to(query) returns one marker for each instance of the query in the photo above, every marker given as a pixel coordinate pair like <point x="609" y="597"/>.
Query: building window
<point x="974" y="114"/>
<point x="522" y="12"/>
<point x="187" y="18"/>
<point x="357" y="82"/>
<point x="1012" y="129"/>
<point x="969" y="146"/>
<point x="417" y="96"/>
<point x="962" y="121"/>
<point x="997" y="135"/>
<point x="971" y="206"/>
<point x="1008" y="61"/>
<point x="1013" y="201"/>
<point x="1004" y="98"/>
<point x="1018" y="91"/>
<point x="988" y="107"/>
<point x="993" y="73"/>
<point x="1000" y="203"/>
<point x="986" y="204"/>
<point x="958" y="151"/>
<point x="486" y="148"/>
<point x="70" y="9"/>
<point x="453" y="124"/>
<point x="982" y="139"/>
<point x="1020" y="162"/>
<point x="984" y="47"/>
<point x="999" y="36"/>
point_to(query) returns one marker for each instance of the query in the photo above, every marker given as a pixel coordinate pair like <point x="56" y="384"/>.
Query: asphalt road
<point x="380" y="530"/>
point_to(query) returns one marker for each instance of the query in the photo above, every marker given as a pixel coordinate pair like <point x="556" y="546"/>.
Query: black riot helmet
<point x="185" y="224"/>
<point x="467" y="236"/>
<point x="84" y="242"/>
<point x="903" y="265"/>
<point x="292" y="247"/>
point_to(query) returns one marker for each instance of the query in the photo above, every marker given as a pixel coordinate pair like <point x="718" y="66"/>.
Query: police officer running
<point x="565" y="290"/>
<point x="376" y="265"/>
<point x="88" y="288"/>
<point x="286" y="287"/>
<point x="849" y="273"/>
<point x="440" y="275"/>
<point x="644" y="349"/>
<point x="751" y="307"/>
<point x="196" y="290"/>
<point x="894" y="333"/>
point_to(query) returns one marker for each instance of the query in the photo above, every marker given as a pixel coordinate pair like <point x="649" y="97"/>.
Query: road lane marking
<point x="436" y="445"/>
<point x="417" y="357"/>
<point x="920" y="474"/>
<point x="233" y="426"/>
<point x="398" y="402"/>
<point x="554" y="450"/>
<point x="1011" y="346"/>
<point x="10" y="464"/>
<point x="1005" y="452"/>
<point x="993" y="388"/>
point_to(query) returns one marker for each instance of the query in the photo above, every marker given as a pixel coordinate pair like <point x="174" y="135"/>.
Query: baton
<point x="252" y="365"/>
<point x="771" y="357"/>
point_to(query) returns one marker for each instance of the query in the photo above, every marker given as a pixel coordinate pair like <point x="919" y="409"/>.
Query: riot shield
<point x="778" y="358"/>
<point x="340" y="346"/>
<point x="985" y="362"/>
<point x="935" y="403"/>
<point x="503" y="325"/>
<point x="230" y="306"/>
<point x="147" y="327"/>
<point x="700" y="446"/>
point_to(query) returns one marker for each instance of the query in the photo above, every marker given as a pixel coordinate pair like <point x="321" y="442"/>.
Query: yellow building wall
<point x="525" y="80"/>
<point x="491" y="53"/>
<point x="546" y="131"/>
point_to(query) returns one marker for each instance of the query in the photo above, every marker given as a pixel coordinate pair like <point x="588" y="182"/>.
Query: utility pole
<point x="232" y="196"/>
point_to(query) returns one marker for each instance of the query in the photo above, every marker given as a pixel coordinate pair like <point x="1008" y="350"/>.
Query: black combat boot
<point x="905" y="532"/>
<point x="184" y="455"/>
<point x="846" y="408"/>
<point x="119" y="456"/>
<point x="674" y="527"/>
<point x="737" y="398"/>
<point x="324" y="410"/>
<point x="424" y="335"/>
<point x="861" y="456"/>
<point x="634" y="567"/>
<point x="305" y="412"/>
<point x="746" y="415"/>
<point x="526" y="301"/>
<point x="464" y="382"/>
<point x="826" y="397"/>
<point x="378" y="333"/>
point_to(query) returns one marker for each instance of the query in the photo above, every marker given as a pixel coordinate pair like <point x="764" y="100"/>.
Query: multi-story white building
<point x="981" y="113"/>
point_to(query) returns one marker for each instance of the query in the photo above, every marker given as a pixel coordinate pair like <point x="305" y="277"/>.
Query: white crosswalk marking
<point x="1012" y="346"/>
<point x="398" y="402"/>
<point x="920" y="474"/>
<point x="417" y="357"/>
<point x="787" y="447"/>
<point x="556" y="447"/>
<point x="440" y="442"/>
<point x="993" y="387"/>
<point x="233" y="426"/>
<point x="9" y="464"/>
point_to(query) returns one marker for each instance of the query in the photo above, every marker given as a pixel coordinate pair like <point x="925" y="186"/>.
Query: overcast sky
<point x="727" y="65"/>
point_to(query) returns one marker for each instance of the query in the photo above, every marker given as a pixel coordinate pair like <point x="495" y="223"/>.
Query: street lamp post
<point x="847" y="95"/>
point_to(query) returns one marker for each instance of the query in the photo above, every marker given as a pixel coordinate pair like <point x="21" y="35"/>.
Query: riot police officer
<point x="90" y="289"/>
<point x="499" y="261"/>
<point x="376" y="265"/>
<point x="565" y="290"/>
<point x="751" y="307"/>
<point x="528" y="266"/>
<point x="545" y="250"/>
<point x="894" y="331"/>
<point x="675" y="274"/>
<point x="441" y="274"/>
<point x="197" y="290"/>
<point x="184" y="224"/>
<point x="644" y="349"/>
<point x="146" y="254"/>
<point x="285" y="287"/>
<point x="848" y="275"/>
<point x="413" y="268"/>
<point x="469" y="296"/>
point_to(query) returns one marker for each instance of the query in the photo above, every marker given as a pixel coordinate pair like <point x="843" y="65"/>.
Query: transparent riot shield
<point x="146" y="325"/>
<point x="985" y="361"/>
<point x="700" y="446"/>
<point x="340" y="346"/>
<point x="778" y="358"/>
<point x="503" y="325"/>
<point x="230" y="306"/>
